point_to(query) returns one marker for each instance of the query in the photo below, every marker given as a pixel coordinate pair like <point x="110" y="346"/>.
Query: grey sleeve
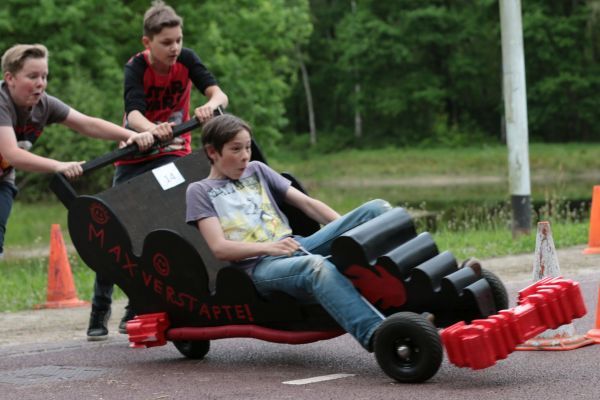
<point x="198" y="204"/>
<point x="6" y="118"/>
<point x="57" y="110"/>
<point x="278" y="185"/>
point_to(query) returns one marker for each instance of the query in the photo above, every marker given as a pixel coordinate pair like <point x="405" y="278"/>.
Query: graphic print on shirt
<point x="246" y="213"/>
<point x="164" y="97"/>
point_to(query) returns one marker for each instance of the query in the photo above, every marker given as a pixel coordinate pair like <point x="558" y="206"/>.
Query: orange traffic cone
<point x="61" y="288"/>
<point x="594" y="334"/>
<point x="594" y="238"/>
<point x="545" y="265"/>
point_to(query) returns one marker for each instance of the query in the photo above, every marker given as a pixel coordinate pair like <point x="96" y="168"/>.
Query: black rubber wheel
<point x="195" y="349"/>
<point x="408" y="347"/>
<point x="499" y="292"/>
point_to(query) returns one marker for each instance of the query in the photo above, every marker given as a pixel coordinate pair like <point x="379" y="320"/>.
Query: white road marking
<point x="317" y="379"/>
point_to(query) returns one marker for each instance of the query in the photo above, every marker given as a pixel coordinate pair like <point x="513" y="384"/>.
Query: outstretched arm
<point x="229" y="250"/>
<point x="101" y="129"/>
<point x="22" y="159"/>
<point x="313" y="208"/>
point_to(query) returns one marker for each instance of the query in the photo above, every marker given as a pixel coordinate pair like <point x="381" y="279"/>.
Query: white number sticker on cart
<point x="168" y="176"/>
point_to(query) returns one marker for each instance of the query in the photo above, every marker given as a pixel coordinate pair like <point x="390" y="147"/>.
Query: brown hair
<point x="219" y="130"/>
<point x="15" y="57"/>
<point x="158" y="17"/>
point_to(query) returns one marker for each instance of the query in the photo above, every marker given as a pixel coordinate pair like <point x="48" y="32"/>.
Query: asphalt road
<point x="44" y="355"/>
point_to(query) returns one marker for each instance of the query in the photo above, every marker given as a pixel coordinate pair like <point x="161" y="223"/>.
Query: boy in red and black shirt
<point x="158" y="84"/>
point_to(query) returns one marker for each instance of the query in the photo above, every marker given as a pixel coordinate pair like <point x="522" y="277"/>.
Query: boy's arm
<point x="101" y="129"/>
<point x="216" y="97"/>
<point x="229" y="250"/>
<point x="22" y="159"/>
<point x="206" y="83"/>
<point x="313" y="208"/>
<point x="138" y="122"/>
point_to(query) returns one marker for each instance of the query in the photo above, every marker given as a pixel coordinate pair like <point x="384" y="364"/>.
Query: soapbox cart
<point x="136" y="235"/>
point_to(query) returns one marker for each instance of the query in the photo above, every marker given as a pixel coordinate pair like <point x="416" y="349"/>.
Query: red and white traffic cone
<point x="545" y="265"/>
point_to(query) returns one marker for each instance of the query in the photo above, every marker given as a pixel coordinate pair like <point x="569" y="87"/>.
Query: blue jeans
<point x="313" y="278"/>
<point x="8" y="191"/>
<point x="103" y="288"/>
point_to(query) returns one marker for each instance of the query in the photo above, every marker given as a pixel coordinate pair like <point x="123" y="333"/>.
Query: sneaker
<point x="97" y="329"/>
<point x="129" y="315"/>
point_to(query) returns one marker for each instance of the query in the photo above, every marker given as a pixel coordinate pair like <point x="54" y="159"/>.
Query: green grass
<point x="24" y="270"/>
<point x="29" y="224"/>
<point x="470" y="219"/>
<point x="567" y="158"/>
<point x="486" y="243"/>
<point x="415" y="176"/>
<point x="24" y="282"/>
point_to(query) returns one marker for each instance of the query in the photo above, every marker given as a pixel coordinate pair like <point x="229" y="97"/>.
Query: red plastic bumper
<point x="546" y="304"/>
<point x="148" y="330"/>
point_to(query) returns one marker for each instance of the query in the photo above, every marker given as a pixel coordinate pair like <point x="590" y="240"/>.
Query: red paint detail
<point x="116" y="250"/>
<point x="129" y="265"/>
<point x="545" y="304"/>
<point x="250" y="331"/>
<point x="161" y="264"/>
<point x="97" y="234"/>
<point x="99" y="213"/>
<point x="248" y="312"/>
<point x="377" y="286"/>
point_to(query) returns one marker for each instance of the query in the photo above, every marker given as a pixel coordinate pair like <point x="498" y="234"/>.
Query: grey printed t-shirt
<point x="28" y="123"/>
<point x="246" y="208"/>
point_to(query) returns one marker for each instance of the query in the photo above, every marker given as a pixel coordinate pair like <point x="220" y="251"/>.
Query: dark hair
<point x="219" y="130"/>
<point x="158" y="17"/>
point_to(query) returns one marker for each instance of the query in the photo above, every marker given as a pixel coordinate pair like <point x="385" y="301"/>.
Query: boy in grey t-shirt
<point x="236" y="210"/>
<point x="26" y="109"/>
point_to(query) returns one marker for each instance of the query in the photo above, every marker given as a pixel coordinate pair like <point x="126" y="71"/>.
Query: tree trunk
<point x="309" y="99"/>
<point x="357" y="116"/>
<point x="357" y="89"/>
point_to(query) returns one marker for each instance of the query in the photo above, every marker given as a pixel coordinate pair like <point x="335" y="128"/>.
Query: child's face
<point x="165" y="46"/>
<point x="234" y="157"/>
<point x="27" y="86"/>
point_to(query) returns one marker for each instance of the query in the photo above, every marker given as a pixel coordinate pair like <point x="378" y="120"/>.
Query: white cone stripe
<point x="317" y="379"/>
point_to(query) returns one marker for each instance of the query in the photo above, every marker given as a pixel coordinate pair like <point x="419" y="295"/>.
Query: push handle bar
<point x="127" y="151"/>
<point x="65" y="192"/>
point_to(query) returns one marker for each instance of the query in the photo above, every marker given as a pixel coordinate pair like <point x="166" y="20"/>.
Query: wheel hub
<point x="403" y="351"/>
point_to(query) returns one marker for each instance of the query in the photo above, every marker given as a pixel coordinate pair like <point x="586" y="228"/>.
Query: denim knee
<point x="322" y="272"/>
<point x="377" y="206"/>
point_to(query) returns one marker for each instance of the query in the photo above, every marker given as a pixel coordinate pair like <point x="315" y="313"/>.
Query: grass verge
<point x="405" y="177"/>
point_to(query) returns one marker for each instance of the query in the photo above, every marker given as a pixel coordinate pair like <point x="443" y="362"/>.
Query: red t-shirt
<point x="164" y="97"/>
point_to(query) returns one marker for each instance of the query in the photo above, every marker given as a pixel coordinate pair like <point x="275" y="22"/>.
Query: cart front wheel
<point x="408" y="347"/>
<point x="195" y="349"/>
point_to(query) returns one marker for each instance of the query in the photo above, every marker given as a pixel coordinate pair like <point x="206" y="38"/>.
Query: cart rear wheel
<point x="499" y="292"/>
<point x="195" y="349"/>
<point x="408" y="347"/>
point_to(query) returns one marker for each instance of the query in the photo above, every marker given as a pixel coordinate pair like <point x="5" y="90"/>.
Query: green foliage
<point x="431" y="70"/>
<point x="422" y="72"/>
<point x="563" y="90"/>
<point x="250" y="45"/>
